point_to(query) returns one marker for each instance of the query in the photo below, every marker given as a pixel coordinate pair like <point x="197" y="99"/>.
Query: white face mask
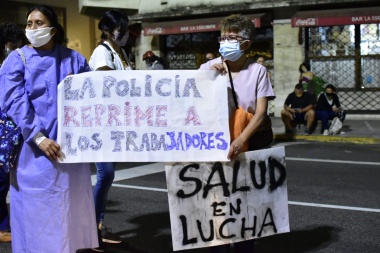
<point x="39" y="37"/>
<point x="122" y="41"/>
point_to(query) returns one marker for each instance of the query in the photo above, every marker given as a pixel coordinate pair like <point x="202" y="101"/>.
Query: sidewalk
<point x="354" y="131"/>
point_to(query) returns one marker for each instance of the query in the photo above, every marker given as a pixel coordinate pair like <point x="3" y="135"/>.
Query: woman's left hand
<point x="235" y="149"/>
<point x="219" y="67"/>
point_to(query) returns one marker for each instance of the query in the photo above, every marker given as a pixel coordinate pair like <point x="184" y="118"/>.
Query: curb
<point x="330" y="138"/>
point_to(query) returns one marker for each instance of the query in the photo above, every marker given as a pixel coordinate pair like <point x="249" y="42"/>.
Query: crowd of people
<point x="51" y="202"/>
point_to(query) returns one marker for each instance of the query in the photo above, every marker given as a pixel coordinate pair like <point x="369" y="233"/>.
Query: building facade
<point x="339" y="39"/>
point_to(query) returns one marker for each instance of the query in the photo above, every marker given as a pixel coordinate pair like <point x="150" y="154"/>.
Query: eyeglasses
<point x="231" y="39"/>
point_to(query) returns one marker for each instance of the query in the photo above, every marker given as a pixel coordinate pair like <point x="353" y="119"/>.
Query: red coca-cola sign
<point x="336" y="17"/>
<point x="153" y="31"/>
<point x="306" y="22"/>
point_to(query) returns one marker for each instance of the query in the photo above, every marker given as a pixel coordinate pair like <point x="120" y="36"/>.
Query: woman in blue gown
<point x="52" y="206"/>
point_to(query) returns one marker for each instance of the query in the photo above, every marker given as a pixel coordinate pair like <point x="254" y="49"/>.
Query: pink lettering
<point x="160" y="111"/>
<point x="140" y="115"/>
<point x="99" y="111"/>
<point x="192" y="115"/>
<point x="113" y="112"/>
<point x="127" y="114"/>
<point x="86" y="117"/>
<point x="70" y="113"/>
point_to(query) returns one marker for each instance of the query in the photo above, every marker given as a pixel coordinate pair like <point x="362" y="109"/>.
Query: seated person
<point x="328" y="107"/>
<point x="298" y="107"/>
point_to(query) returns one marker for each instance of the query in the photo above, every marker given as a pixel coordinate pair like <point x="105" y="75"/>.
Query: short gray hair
<point x="239" y="24"/>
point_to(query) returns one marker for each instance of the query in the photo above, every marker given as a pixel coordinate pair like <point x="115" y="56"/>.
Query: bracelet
<point x="38" y="138"/>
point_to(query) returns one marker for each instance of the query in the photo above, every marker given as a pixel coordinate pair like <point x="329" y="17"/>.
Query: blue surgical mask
<point x="230" y="51"/>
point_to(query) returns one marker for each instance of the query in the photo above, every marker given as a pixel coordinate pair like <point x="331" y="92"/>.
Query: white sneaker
<point x="326" y="132"/>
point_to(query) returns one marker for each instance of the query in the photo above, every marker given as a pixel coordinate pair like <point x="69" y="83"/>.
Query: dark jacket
<point x="324" y="105"/>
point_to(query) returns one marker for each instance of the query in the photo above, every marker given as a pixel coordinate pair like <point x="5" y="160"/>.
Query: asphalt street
<point x="333" y="193"/>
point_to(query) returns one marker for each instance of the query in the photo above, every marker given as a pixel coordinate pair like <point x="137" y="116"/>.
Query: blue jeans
<point x="324" y="117"/>
<point x="104" y="178"/>
<point x="4" y="187"/>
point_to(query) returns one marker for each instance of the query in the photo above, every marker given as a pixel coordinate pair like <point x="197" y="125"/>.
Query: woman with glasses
<point x="253" y="90"/>
<point x="108" y="55"/>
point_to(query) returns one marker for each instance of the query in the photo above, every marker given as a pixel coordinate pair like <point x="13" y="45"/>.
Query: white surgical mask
<point x="39" y="37"/>
<point x="230" y="51"/>
<point x="7" y="51"/>
<point x="122" y="41"/>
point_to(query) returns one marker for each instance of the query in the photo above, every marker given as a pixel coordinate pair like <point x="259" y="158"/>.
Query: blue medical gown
<point x="52" y="207"/>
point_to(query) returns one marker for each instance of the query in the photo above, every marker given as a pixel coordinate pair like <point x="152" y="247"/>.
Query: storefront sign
<point x="192" y="26"/>
<point x="336" y="17"/>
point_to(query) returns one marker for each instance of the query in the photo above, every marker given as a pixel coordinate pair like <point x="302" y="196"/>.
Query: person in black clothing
<point x="11" y="37"/>
<point x="298" y="107"/>
<point x="328" y="107"/>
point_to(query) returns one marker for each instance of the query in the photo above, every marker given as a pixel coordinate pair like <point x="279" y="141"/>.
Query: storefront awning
<point x="192" y="26"/>
<point x="336" y="17"/>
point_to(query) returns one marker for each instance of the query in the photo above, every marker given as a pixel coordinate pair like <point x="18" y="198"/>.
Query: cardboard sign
<point x="218" y="203"/>
<point x="143" y="116"/>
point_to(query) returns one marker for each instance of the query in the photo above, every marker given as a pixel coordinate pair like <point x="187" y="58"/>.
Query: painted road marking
<point x="350" y="208"/>
<point x="330" y="161"/>
<point x="160" y="167"/>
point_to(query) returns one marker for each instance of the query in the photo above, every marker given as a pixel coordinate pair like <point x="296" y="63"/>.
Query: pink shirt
<point x="251" y="83"/>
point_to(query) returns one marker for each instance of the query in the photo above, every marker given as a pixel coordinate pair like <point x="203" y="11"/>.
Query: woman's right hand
<point x="51" y="149"/>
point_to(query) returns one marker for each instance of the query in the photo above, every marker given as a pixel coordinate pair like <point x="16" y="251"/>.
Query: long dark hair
<point x="111" y="20"/>
<point x="307" y="66"/>
<point x="10" y="32"/>
<point x="50" y="14"/>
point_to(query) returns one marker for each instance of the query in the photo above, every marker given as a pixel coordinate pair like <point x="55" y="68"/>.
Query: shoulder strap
<point x="109" y="49"/>
<point x="126" y="57"/>
<point x="232" y="86"/>
<point x="19" y="51"/>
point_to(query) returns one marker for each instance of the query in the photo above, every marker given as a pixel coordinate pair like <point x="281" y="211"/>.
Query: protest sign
<point x="143" y="116"/>
<point x="218" y="203"/>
